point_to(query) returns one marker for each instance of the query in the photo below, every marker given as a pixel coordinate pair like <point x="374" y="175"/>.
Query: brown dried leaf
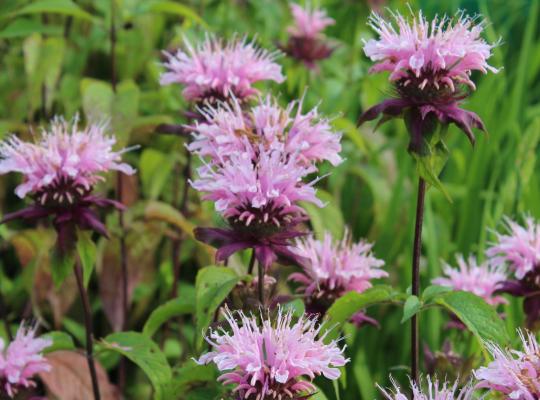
<point x="69" y="378"/>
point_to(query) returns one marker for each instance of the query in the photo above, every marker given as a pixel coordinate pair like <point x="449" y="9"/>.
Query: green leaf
<point x="166" y="311"/>
<point x="142" y="351"/>
<point x="171" y="7"/>
<point x="326" y="219"/>
<point x="60" y="341"/>
<point x="22" y="27"/>
<point x="87" y="250"/>
<point x="65" y="7"/>
<point x="97" y="99"/>
<point x="433" y="291"/>
<point x="212" y="286"/>
<point x="61" y="265"/>
<point x="191" y="374"/>
<point x="411" y="307"/>
<point x="155" y="169"/>
<point x="124" y="110"/>
<point x="479" y="317"/>
<point x="346" y="306"/>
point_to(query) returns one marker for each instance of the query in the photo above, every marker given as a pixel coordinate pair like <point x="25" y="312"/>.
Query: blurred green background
<point x="55" y="60"/>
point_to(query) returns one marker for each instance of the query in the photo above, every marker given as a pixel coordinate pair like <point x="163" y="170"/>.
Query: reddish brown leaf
<point x="69" y="378"/>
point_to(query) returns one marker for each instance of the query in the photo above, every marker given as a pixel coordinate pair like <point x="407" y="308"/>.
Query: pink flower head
<point x="262" y="192"/>
<point x="429" y="54"/>
<point x="519" y="249"/>
<point x="482" y="280"/>
<point x="229" y="129"/>
<point x="276" y="360"/>
<point x="430" y="65"/>
<point x="435" y="391"/>
<point x="308" y="22"/>
<point x="333" y="268"/>
<point x="513" y="373"/>
<point x="22" y="360"/>
<point x="64" y="163"/>
<point x="215" y="69"/>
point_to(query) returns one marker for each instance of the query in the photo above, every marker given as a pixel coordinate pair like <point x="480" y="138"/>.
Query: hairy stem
<point x="417" y="247"/>
<point x="89" y="329"/>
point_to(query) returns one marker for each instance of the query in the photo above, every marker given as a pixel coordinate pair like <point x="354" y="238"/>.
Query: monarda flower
<point x="22" y="360"/>
<point x="519" y="250"/>
<point x="430" y="64"/>
<point x="215" y="70"/>
<point x="59" y="172"/>
<point x="513" y="373"/>
<point x="276" y="360"/>
<point x="482" y="279"/>
<point x="331" y="269"/>
<point x="434" y="391"/>
<point x="229" y="129"/>
<point x="259" y="199"/>
<point x="306" y="42"/>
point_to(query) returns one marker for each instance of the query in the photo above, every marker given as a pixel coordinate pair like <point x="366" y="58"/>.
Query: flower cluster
<point x="331" y="269"/>
<point x="430" y="63"/>
<point x="230" y="129"/>
<point x="481" y="279"/>
<point x="60" y="171"/>
<point x="519" y="250"/>
<point x="435" y="391"/>
<point x="21" y="360"/>
<point x="275" y="360"/>
<point x="306" y="42"/>
<point x="215" y="70"/>
<point x="513" y="373"/>
<point x="258" y="160"/>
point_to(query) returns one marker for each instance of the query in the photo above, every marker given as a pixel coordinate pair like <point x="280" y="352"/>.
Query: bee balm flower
<point x="266" y="124"/>
<point x="513" y="373"/>
<point x="519" y="251"/>
<point x="276" y="360"/>
<point x="59" y="172"/>
<point x="259" y="199"/>
<point x="430" y="64"/>
<point x="434" y="391"/>
<point x="215" y="69"/>
<point x="483" y="280"/>
<point x="21" y="360"/>
<point x="307" y="43"/>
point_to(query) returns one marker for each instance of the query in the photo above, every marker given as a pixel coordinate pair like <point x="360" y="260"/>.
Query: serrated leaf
<point x="145" y="353"/>
<point x="60" y="341"/>
<point x="346" y="306"/>
<point x="86" y="249"/>
<point x="165" y="312"/>
<point x="432" y="291"/>
<point x="478" y="316"/>
<point x="411" y="307"/>
<point x="212" y="286"/>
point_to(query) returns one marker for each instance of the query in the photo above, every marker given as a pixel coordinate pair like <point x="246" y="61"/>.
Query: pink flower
<point x="215" y="70"/>
<point x="434" y="391"/>
<point x="429" y="54"/>
<point x="519" y="249"/>
<point x="513" y="373"/>
<point x="230" y="129"/>
<point x="261" y="192"/>
<point x="308" y="23"/>
<point x="275" y="360"/>
<point x="333" y="268"/>
<point x="430" y="63"/>
<point x="482" y="280"/>
<point x="64" y="163"/>
<point x="22" y="360"/>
